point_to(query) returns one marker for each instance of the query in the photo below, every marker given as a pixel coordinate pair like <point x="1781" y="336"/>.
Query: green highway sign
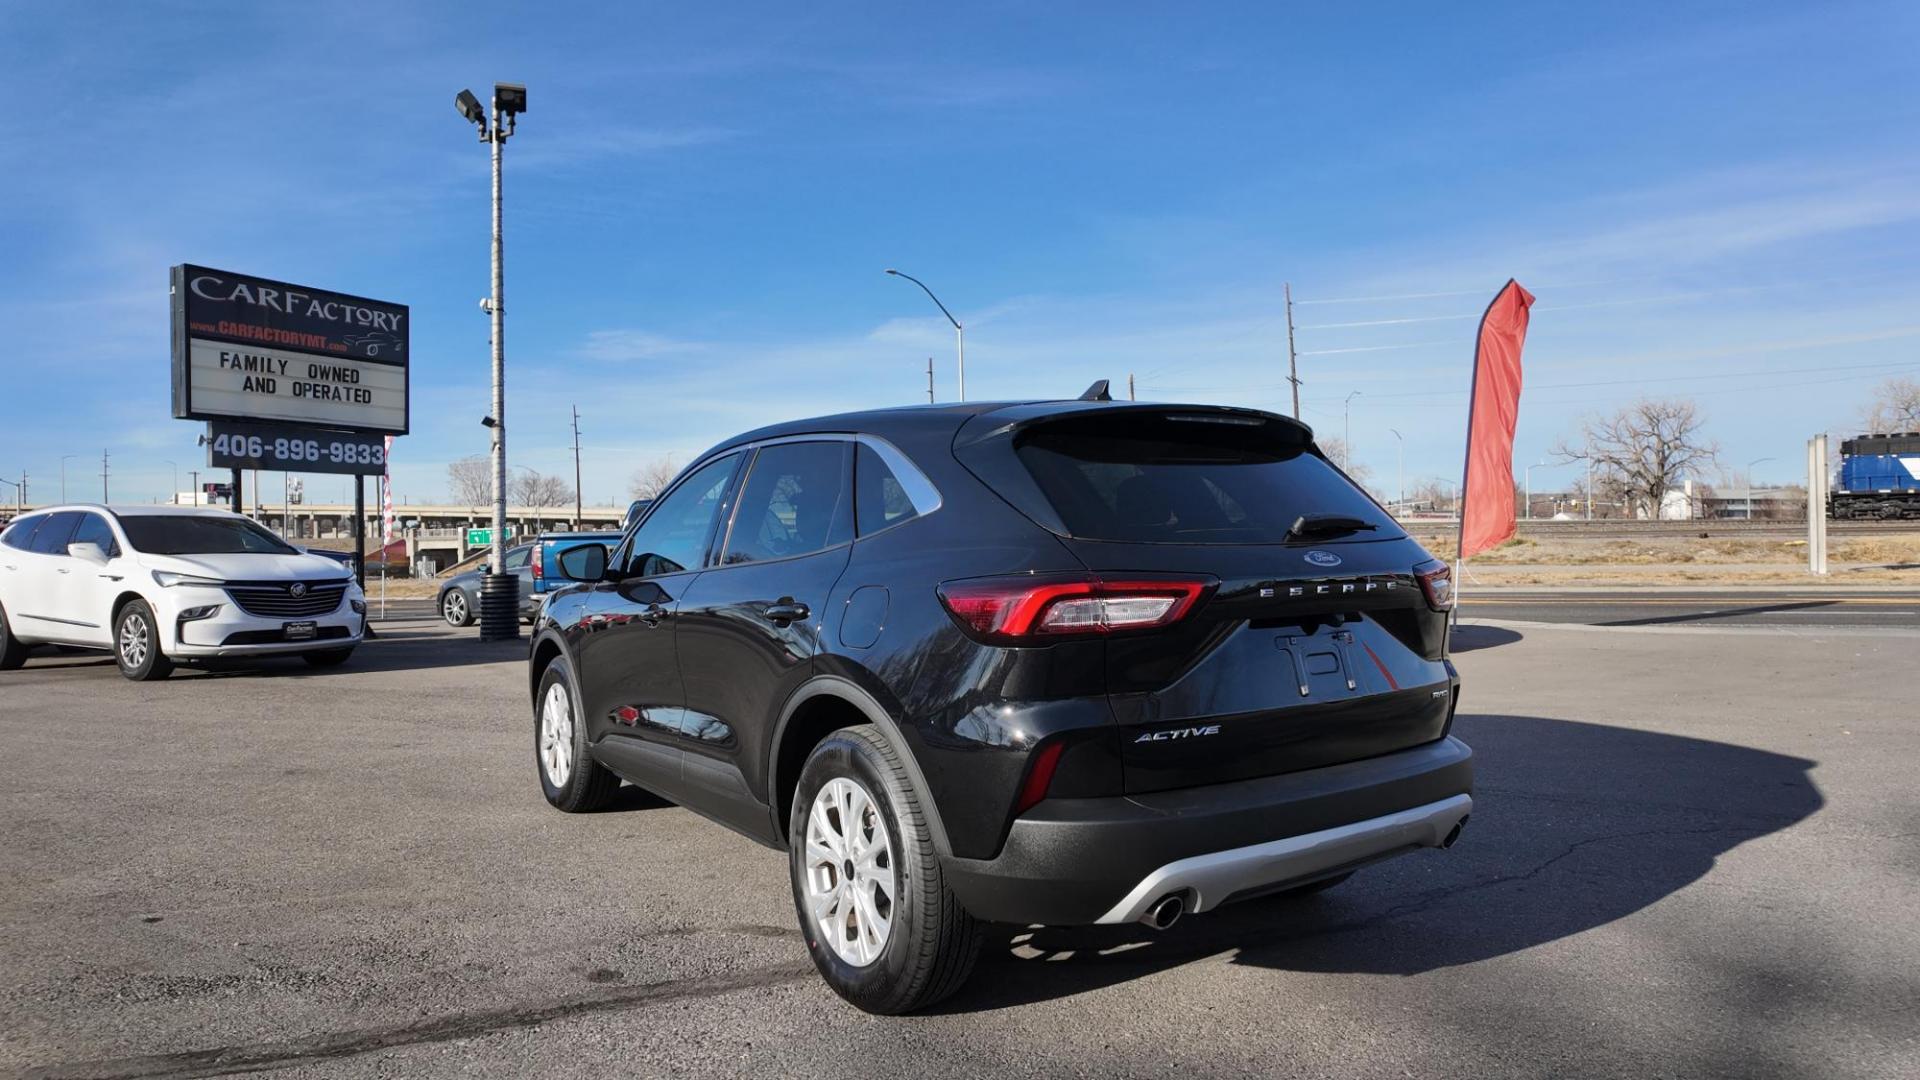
<point x="483" y="537"/>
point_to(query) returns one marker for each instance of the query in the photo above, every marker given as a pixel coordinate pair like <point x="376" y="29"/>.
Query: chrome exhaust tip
<point x="1165" y="911"/>
<point x="1453" y="834"/>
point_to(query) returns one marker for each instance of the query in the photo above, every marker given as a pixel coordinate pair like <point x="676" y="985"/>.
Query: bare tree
<point x="1895" y="407"/>
<point x="650" y="479"/>
<point x="1336" y="450"/>
<point x="531" y="488"/>
<point x="1644" y="451"/>
<point x="470" y="481"/>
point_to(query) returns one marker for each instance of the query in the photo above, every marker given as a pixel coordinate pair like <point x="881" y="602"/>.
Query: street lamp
<point x="1347" y="438"/>
<point x="1750" y="466"/>
<point x="1527" y="473"/>
<point x="959" y="332"/>
<point x="1403" y="468"/>
<point x="499" y="591"/>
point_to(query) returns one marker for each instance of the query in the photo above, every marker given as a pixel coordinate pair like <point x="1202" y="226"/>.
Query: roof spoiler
<point x="1096" y="392"/>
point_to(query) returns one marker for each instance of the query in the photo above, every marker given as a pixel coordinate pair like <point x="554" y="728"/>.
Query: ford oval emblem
<point x="299" y="588"/>
<point x="1323" y="558"/>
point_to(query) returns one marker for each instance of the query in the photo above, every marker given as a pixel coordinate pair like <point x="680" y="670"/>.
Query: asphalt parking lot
<point x="1695" y="852"/>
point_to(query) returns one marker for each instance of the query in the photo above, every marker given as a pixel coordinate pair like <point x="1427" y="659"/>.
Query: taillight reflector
<point x="1008" y="609"/>
<point x="1039" y="777"/>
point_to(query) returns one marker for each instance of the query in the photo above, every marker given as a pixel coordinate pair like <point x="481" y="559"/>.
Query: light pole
<point x="499" y="592"/>
<point x="1528" y="474"/>
<point x="1346" y="439"/>
<point x="19" y="492"/>
<point x="959" y="332"/>
<point x="63" y="475"/>
<point x="1750" y="466"/>
<point x="1402" y="468"/>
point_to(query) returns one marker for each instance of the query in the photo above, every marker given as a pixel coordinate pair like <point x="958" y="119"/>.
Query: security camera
<point x="510" y="98"/>
<point x="486" y="304"/>
<point x="489" y="422"/>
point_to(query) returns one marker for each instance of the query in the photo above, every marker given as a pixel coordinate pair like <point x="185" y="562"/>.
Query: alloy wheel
<point x="556" y="735"/>
<point x="849" y="872"/>
<point x="134" y="641"/>
<point x="455" y="608"/>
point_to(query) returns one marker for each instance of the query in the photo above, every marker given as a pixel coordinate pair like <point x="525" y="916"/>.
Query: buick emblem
<point x="1323" y="558"/>
<point x="299" y="588"/>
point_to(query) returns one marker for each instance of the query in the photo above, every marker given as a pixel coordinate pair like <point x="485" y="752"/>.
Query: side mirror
<point x="88" y="550"/>
<point x="588" y="562"/>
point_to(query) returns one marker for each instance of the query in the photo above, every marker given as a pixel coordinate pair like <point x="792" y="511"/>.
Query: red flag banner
<point x="1486" y="502"/>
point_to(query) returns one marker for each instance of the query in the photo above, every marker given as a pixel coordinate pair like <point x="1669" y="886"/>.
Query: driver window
<point x="95" y="530"/>
<point x="674" y="537"/>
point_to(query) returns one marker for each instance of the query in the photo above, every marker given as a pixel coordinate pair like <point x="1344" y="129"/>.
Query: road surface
<point x="1798" y="608"/>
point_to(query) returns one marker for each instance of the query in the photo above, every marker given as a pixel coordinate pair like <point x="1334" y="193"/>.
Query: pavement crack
<point x="244" y="1058"/>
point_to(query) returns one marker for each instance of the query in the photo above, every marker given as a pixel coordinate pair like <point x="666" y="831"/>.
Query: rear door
<point x="749" y="627"/>
<point x="1311" y="648"/>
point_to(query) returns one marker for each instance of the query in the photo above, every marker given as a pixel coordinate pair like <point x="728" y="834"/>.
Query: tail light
<point x="1436" y="580"/>
<point x="1032" y="608"/>
<point x="538" y="557"/>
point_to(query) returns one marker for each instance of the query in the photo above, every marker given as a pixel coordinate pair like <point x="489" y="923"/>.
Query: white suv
<point x="157" y="584"/>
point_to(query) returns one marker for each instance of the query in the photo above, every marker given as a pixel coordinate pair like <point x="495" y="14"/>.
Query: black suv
<point x="1053" y="662"/>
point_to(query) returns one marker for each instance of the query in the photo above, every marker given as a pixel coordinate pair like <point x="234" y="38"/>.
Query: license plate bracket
<point x="300" y="631"/>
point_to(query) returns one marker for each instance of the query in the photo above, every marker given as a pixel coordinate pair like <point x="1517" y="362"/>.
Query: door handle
<point x="652" y="614"/>
<point x="787" y="610"/>
<point x="63" y="570"/>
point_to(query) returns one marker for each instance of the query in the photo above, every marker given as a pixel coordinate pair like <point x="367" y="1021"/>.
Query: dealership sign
<point x="246" y="348"/>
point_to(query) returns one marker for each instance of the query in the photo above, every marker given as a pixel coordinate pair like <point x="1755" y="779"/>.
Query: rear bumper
<point x="1078" y="861"/>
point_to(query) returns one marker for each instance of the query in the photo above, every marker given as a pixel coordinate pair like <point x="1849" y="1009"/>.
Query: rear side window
<point x="1165" y="480"/>
<point x="795" y="502"/>
<point x="53" y="534"/>
<point x="517" y="558"/>
<point x="882" y="498"/>
<point x="20" y="533"/>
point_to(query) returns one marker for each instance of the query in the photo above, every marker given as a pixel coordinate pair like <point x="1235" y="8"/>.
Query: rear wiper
<point x="1327" y="525"/>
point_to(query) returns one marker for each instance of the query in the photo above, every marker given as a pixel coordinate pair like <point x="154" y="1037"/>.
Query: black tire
<point x="136" y="643"/>
<point x="1312" y="887"/>
<point x="587" y="785"/>
<point x="327" y="657"/>
<point x="13" y="652"/>
<point x="932" y="942"/>
<point x="456" y="607"/>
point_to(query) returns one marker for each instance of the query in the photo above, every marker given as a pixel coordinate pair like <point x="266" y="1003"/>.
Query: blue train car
<point x="1879" y="477"/>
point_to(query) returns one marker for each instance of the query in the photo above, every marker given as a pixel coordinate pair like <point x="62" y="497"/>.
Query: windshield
<point x="1162" y="480"/>
<point x="163" y="534"/>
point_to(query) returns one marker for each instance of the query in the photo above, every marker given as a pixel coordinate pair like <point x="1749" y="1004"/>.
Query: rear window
<point x="1167" y="480"/>
<point x="167" y="534"/>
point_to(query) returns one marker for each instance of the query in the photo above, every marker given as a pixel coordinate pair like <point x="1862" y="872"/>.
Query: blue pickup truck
<point x="534" y="563"/>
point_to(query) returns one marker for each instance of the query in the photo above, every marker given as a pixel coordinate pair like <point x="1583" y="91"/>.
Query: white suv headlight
<point x="167" y="579"/>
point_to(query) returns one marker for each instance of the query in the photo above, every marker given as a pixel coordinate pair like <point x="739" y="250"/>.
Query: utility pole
<point x="104" y="497"/>
<point x="1130" y="386"/>
<point x="576" y="468"/>
<point x="929" y="380"/>
<point x="195" y="475"/>
<point x="1293" y="358"/>
<point x="1403" y="468"/>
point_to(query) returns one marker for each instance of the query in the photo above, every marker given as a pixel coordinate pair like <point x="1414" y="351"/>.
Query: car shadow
<point x="1470" y="636"/>
<point x="388" y="652"/>
<point x="1574" y="825"/>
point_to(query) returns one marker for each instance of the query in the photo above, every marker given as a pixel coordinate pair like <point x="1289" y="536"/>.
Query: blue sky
<point x="1717" y="201"/>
